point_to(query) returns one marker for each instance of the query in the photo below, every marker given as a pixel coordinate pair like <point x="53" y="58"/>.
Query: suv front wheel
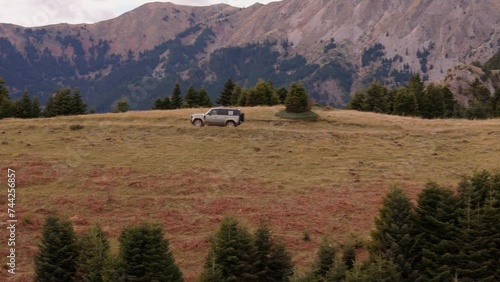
<point x="198" y="123"/>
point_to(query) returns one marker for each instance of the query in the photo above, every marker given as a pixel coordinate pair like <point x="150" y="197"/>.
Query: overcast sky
<point x="44" y="12"/>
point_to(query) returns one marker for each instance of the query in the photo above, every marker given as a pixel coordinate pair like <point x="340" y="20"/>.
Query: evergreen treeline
<point x="262" y="94"/>
<point x="144" y="255"/>
<point x="428" y="102"/>
<point x="236" y="255"/>
<point x="62" y="103"/>
<point x="193" y="99"/>
<point x="446" y="236"/>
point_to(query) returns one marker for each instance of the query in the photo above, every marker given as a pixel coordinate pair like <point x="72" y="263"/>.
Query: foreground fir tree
<point x="94" y="253"/>
<point x="232" y="254"/>
<point x="145" y="255"/>
<point x="272" y="261"/>
<point x="323" y="263"/>
<point x="479" y="258"/>
<point x="393" y="237"/>
<point x="57" y="257"/>
<point x="437" y="226"/>
<point x="176" y="100"/>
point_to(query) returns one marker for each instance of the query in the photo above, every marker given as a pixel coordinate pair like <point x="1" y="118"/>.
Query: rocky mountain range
<point x="333" y="46"/>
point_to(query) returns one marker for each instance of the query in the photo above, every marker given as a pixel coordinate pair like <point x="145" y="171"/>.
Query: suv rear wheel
<point x="198" y="123"/>
<point x="230" y="124"/>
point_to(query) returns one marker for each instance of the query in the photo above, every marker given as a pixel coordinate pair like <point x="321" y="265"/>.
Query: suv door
<point x="211" y="117"/>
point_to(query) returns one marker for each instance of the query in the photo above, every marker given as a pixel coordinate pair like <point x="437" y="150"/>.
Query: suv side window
<point x="222" y="112"/>
<point x="212" y="113"/>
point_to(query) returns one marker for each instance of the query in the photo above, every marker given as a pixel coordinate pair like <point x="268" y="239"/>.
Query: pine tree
<point x="145" y="255"/>
<point x="167" y="103"/>
<point x="176" y="100"/>
<point x="381" y="270"/>
<point x="358" y="101"/>
<point x="192" y="98"/>
<point x="4" y="100"/>
<point x="349" y="255"/>
<point x="264" y="94"/>
<point x="479" y="101"/>
<point x="450" y="104"/>
<point x="297" y="100"/>
<point x="158" y="105"/>
<point x="376" y="98"/>
<point x="405" y="103"/>
<point x="94" y="253"/>
<point x="225" y="95"/>
<point x="479" y="197"/>
<point x="50" y="109"/>
<point x="496" y="104"/>
<point x="435" y="107"/>
<point x="62" y="102"/>
<point x="235" y="95"/>
<point x="437" y="226"/>
<point x="273" y="262"/>
<point x="24" y="106"/>
<point x="36" y="109"/>
<point x="58" y="251"/>
<point x="338" y="271"/>
<point x="242" y="100"/>
<point x="324" y="261"/>
<point x="205" y="99"/>
<point x="416" y="88"/>
<point x="282" y="93"/>
<point x="121" y="106"/>
<point x="393" y="238"/>
<point x="251" y="95"/>
<point x="77" y="105"/>
<point x="232" y="253"/>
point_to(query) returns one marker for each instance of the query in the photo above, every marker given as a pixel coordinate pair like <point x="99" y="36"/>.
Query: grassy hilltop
<point x="326" y="178"/>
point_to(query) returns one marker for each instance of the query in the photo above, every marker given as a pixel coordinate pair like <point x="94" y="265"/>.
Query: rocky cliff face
<point x="332" y="46"/>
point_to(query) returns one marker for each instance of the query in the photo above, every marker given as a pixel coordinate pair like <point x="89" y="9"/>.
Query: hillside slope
<point x="326" y="178"/>
<point x="334" y="47"/>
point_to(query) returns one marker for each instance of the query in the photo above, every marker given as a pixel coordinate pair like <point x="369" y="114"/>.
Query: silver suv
<point x="230" y="117"/>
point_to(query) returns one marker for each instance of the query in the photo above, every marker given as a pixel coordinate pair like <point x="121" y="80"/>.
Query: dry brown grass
<point x="326" y="178"/>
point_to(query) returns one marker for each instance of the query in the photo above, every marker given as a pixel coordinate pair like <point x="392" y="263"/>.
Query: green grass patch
<point x="307" y="116"/>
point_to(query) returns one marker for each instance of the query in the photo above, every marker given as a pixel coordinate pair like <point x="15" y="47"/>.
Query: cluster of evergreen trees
<point x="446" y="236"/>
<point x="193" y="99"/>
<point x="23" y="108"/>
<point x="144" y="255"/>
<point x="62" y="103"/>
<point x="262" y="94"/>
<point x="236" y="255"/>
<point x="429" y="102"/>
